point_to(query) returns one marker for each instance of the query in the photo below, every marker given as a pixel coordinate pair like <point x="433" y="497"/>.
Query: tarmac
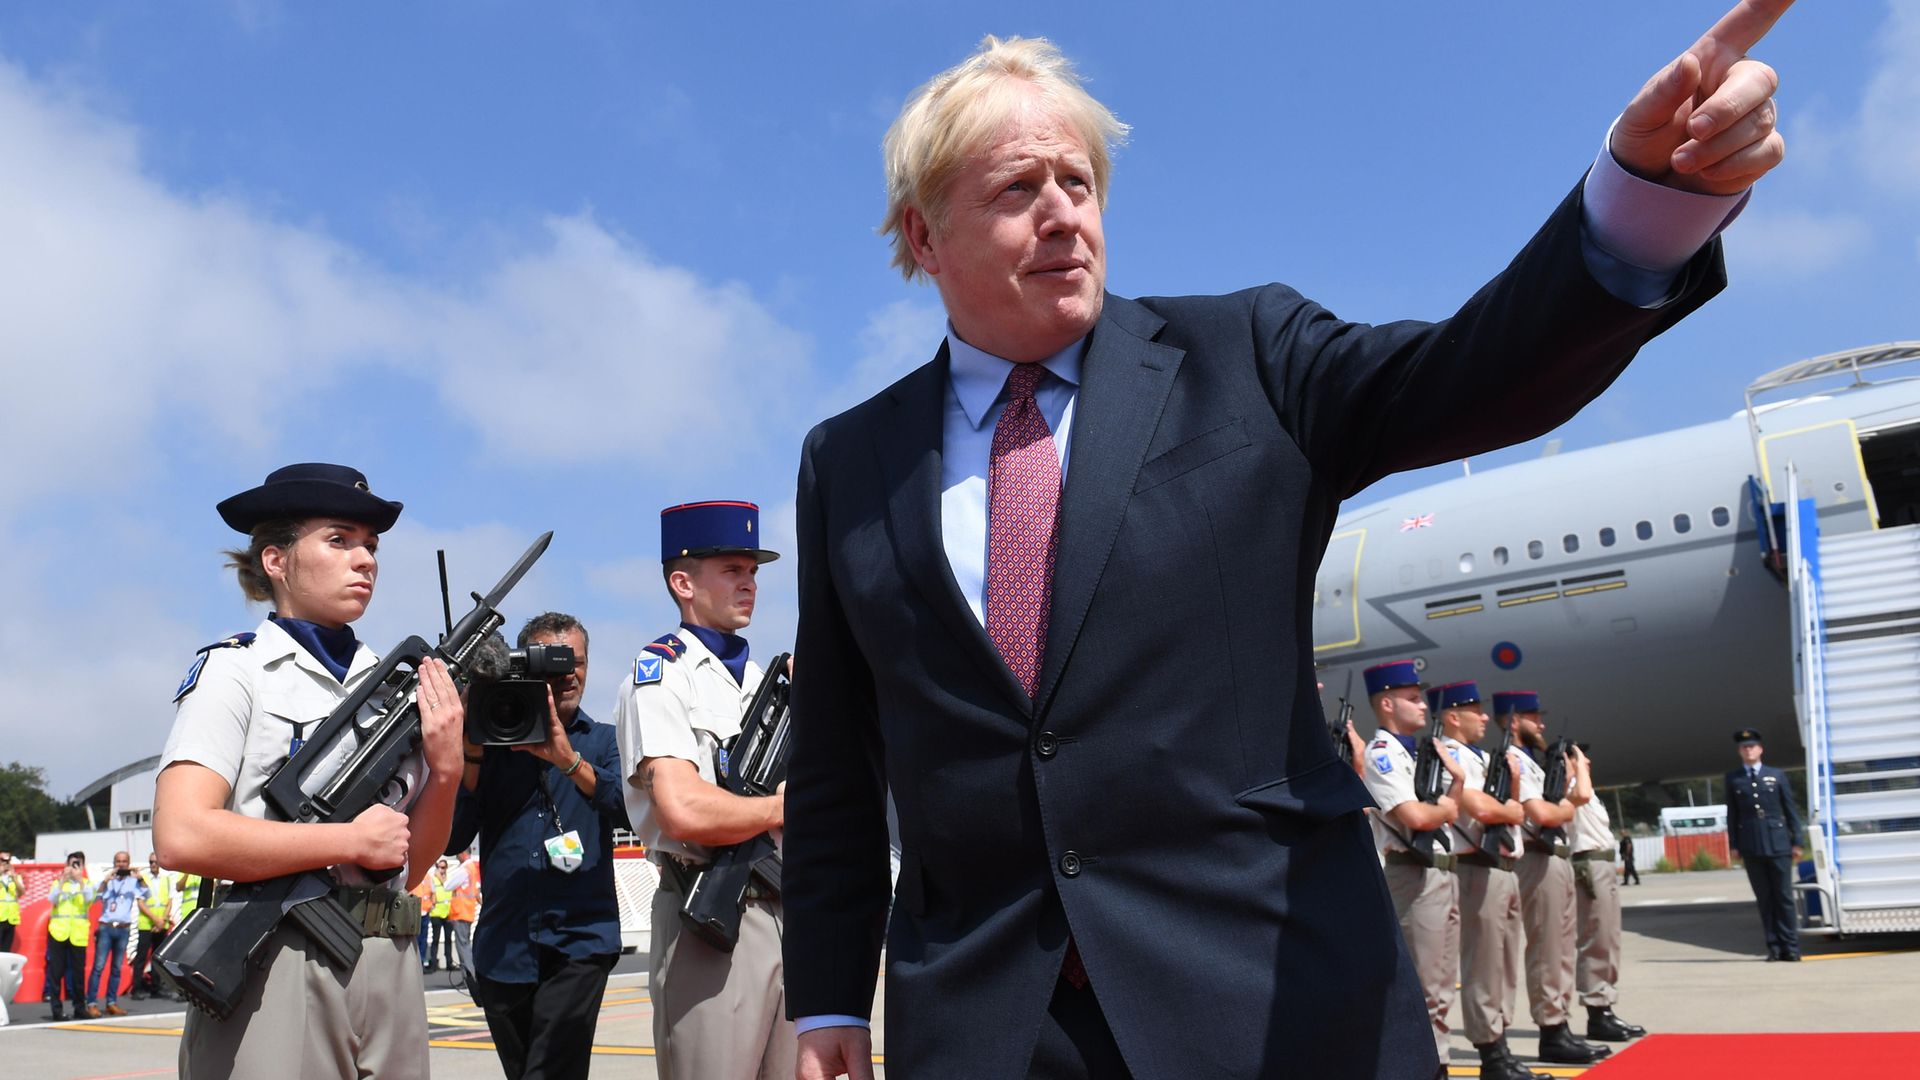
<point x="1694" y="962"/>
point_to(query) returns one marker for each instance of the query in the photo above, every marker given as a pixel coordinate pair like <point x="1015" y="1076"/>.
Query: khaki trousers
<point x="1597" y="969"/>
<point x="1428" y="904"/>
<point x="719" y="1016"/>
<point x="1546" y="905"/>
<point x="1490" y="945"/>
<point x="303" y="1019"/>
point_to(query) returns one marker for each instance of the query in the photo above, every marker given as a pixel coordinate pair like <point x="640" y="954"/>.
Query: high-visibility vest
<point x="68" y="921"/>
<point x="424" y="891"/>
<point x="159" y="896"/>
<point x="442" y="898"/>
<point x="10" y="899"/>
<point x="466" y="898"/>
<point x="189" y="895"/>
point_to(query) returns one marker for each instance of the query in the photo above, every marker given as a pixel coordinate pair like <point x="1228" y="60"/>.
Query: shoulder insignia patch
<point x="192" y="679"/>
<point x="668" y="647"/>
<point x="1383" y="762"/>
<point x="648" y="669"/>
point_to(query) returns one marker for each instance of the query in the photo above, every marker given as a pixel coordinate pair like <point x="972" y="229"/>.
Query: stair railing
<point x="1810" y="691"/>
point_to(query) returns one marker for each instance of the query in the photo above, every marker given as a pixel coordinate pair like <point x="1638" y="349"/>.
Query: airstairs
<point x="1856" y="611"/>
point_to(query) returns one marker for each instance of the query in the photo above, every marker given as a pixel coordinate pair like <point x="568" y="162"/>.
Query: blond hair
<point x="957" y="114"/>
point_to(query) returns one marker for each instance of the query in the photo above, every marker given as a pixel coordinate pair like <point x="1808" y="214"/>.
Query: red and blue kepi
<point x="1391" y="676"/>
<point x="697" y="530"/>
<point x="1513" y="701"/>
<point x="1453" y="695"/>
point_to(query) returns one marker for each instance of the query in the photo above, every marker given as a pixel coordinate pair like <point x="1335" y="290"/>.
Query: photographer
<point x="549" y="932"/>
<point x="68" y="899"/>
<point x="120" y="893"/>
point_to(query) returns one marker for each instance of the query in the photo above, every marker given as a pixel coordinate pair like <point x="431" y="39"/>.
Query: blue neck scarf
<point x="1411" y="742"/>
<point x="730" y="648"/>
<point x="333" y="648"/>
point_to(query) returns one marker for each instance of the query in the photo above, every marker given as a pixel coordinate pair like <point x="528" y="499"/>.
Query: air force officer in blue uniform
<point x="1765" y="829"/>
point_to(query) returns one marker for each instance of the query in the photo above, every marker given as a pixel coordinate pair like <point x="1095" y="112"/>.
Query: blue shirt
<point x="525" y="901"/>
<point x="120" y="894"/>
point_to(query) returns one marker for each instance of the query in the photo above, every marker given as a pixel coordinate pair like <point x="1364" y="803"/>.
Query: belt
<point x="1595" y="855"/>
<point x="117" y="925"/>
<point x="380" y="911"/>
<point x="1558" y="851"/>
<point x="1441" y="860"/>
<point x="1485" y="861"/>
<point x="677" y="874"/>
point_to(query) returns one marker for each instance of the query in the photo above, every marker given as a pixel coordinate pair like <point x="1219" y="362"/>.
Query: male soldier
<point x="715" y="1014"/>
<point x="1483" y="851"/>
<point x="1597" y="913"/>
<point x="1418" y="867"/>
<point x="1546" y="880"/>
<point x="154" y="922"/>
<point x="1765" y="828"/>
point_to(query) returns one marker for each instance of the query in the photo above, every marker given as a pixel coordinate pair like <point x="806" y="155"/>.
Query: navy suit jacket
<point x="1761" y="818"/>
<point x="1171" y="793"/>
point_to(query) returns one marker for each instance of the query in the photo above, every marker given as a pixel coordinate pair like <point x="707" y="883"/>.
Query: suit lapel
<point x="1124" y="383"/>
<point x="909" y="447"/>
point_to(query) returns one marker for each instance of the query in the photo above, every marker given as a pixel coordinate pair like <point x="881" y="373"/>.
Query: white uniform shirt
<point x="1388" y="773"/>
<point x="1533" y="781"/>
<point x="1592" y="827"/>
<point x="686" y="712"/>
<point x="243" y="713"/>
<point x="1468" y="829"/>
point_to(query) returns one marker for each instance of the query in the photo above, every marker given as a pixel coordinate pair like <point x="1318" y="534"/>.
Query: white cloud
<point x="896" y="339"/>
<point x="1791" y="245"/>
<point x="1889" y="131"/>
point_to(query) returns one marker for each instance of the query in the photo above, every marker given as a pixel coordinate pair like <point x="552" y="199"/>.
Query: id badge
<point x="564" y="851"/>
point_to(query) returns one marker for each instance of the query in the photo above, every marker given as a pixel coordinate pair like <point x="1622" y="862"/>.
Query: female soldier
<point x="242" y="710"/>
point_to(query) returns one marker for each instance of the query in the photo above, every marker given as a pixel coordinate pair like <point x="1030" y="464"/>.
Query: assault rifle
<point x="348" y="765"/>
<point x="751" y="765"/>
<point x="1500" y="786"/>
<point x="1338" y="729"/>
<point x="1553" y="787"/>
<point x="1430" y="781"/>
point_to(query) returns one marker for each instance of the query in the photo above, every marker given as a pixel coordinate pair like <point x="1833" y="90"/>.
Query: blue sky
<point x="560" y="267"/>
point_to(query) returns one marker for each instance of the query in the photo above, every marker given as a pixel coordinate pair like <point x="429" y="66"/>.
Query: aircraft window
<point x="1643" y="530"/>
<point x="1466" y="563"/>
<point x="1499" y="556"/>
<point x="1721" y="517"/>
<point x="1682" y="523"/>
<point x="1535" y="549"/>
<point x="1570" y="542"/>
<point x="1606" y="537"/>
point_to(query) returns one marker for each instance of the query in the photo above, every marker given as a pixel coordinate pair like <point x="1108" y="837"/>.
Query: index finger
<point x="1743" y="27"/>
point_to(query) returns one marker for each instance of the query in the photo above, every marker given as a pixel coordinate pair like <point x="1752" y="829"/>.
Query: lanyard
<point x="546" y="796"/>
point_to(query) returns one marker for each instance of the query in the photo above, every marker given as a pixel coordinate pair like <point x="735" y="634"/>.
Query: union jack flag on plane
<point x="1424" y="521"/>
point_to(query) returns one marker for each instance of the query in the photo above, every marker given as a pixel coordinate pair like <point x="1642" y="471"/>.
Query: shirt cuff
<point x="805" y="1024"/>
<point x="1650" y="226"/>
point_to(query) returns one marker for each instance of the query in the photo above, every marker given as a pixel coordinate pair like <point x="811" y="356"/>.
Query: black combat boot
<point x="1603" y="1025"/>
<point x="1498" y="1063"/>
<point x="1559" y="1045"/>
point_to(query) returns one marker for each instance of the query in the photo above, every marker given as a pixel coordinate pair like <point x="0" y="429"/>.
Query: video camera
<point x="507" y="705"/>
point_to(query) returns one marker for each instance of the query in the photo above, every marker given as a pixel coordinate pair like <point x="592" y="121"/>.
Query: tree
<point x="26" y="810"/>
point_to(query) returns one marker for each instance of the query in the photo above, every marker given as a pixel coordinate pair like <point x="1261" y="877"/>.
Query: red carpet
<point x="1763" y="1057"/>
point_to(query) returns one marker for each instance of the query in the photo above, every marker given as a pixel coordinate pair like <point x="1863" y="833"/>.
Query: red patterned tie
<point x="1023" y="531"/>
<point x="1023" y="504"/>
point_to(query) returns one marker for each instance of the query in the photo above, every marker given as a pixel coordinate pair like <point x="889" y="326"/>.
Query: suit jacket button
<point x="1070" y="864"/>
<point x="1046" y="744"/>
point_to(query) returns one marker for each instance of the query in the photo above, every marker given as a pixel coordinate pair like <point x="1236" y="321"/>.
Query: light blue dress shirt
<point x="1636" y="237"/>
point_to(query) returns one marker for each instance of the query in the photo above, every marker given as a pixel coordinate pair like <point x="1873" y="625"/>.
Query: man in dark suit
<point x="1765" y="828"/>
<point x="1054" y="592"/>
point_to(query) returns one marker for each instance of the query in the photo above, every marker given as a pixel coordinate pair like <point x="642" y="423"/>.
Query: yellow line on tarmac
<point x="118" y="1029"/>
<point x="1550" y="1070"/>
<point x="1855" y="955"/>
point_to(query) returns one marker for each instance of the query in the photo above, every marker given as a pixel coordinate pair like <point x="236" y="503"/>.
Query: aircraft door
<point x="1336" y="601"/>
<point x="1827" y="457"/>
